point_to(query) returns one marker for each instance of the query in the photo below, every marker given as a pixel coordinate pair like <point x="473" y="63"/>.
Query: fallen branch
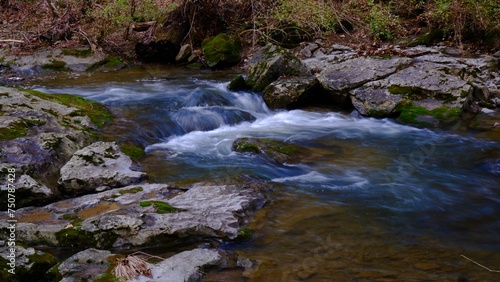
<point x="11" y="40"/>
<point x="490" y="270"/>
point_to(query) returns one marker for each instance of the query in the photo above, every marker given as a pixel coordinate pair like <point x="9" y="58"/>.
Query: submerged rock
<point x="278" y="151"/>
<point x="271" y="62"/>
<point x="141" y="215"/>
<point x="99" y="166"/>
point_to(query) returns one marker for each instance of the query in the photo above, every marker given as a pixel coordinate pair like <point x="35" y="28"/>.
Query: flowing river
<point x="374" y="200"/>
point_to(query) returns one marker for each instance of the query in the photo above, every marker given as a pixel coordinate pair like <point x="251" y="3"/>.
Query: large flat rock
<point x="141" y="215"/>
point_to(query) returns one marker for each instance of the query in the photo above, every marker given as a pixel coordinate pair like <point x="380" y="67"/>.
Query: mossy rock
<point x="98" y="114"/>
<point x="222" y="51"/>
<point x="109" y="63"/>
<point x="33" y="267"/>
<point x="55" y="65"/>
<point x="278" y="151"/>
<point x="271" y="62"/>
<point x="238" y="83"/>
<point x="131" y="190"/>
<point x="160" y="207"/>
<point x="14" y="131"/>
<point x="417" y="115"/>
<point x="78" y="238"/>
<point x="134" y="152"/>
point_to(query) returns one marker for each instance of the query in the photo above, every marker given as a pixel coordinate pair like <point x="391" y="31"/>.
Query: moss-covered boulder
<point x="238" y="83"/>
<point x="271" y="62"/>
<point x="39" y="132"/>
<point x="277" y="151"/>
<point x="221" y="51"/>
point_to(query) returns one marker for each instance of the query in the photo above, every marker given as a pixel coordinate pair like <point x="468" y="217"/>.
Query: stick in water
<point x="490" y="270"/>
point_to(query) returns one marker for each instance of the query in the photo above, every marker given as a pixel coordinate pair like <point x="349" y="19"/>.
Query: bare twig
<point x="12" y="40"/>
<point x="490" y="270"/>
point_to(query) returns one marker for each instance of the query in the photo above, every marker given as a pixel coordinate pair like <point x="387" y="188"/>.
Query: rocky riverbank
<point x="74" y="191"/>
<point x="423" y="86"/>
<point x="50" y="143"/>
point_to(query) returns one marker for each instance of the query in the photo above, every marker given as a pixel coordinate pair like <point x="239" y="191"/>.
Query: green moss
<point x="98" y="113"/>
<point x="134" y="152"/>
<point x="444" y="115"/>
<point x="244" y="234"/>
<point x="79" y="53"/>
<point x="75" y="237"/>
<point x="246" y="146"/>
<point x="131" y="190"/>
<point x="53" y="274"/>
<point x="267" y="146"/>
<point x="160" y="207"/>
<point x="55" y="65"/>
<point x="279" y="147"/>
<point x="41" y="263"/>
<point x="109" y="62"/>
<point x="14" y="131"/>
<point x="238" y="83"/>
<point x="73" y="219"/>
<point x="221" y="50"/>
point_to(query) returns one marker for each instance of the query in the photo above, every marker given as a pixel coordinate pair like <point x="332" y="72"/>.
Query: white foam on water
<point x="296" y="125"/>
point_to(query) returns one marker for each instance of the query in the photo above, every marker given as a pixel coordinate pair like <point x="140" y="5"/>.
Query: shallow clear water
<point x="373" y="200"/>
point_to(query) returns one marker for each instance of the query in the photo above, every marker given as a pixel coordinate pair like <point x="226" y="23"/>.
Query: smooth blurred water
<point x="420" y="198"/>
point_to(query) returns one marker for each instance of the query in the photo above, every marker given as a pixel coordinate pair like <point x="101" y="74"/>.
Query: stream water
<point x="373" y="201"/>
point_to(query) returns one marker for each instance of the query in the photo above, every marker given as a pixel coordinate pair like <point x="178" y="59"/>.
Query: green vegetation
<point x="221" y="50"/>
<point x="160" y="207"/>
<point x="109" y="62"/>
<point x="134" y="152"/>
<point x="131" y="190"/>
<point x="266" y="146"/>
<point x="14" y="131"/>
<point x="99" y="115"/>
<point x="55" y="65"/>
<point x="445" y="115"/>
<point x="244" y="234"/>
<point x="73" y="219"/>
<point x="75" y="237"/>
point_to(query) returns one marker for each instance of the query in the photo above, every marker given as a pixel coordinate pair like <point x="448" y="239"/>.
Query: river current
<point x="374" y="200"/>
